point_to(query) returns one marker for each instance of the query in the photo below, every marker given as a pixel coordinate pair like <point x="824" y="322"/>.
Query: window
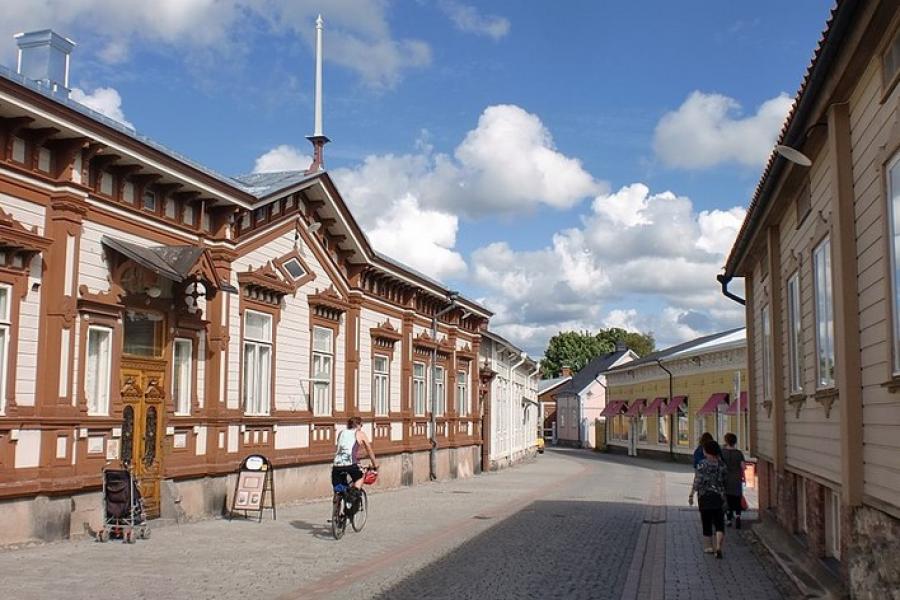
<point x="97" y="370"/>
<point x="44" y="158"/>
<point x="181" y="375"/>
<point x="802" y="525"/>
<point x="322" y="370"/>
<point x="894" y="210"/>
<point x="419" y="388"/>
<point x="143" y="334"/>
<point x="804" y="203"/>
<point x="170" y="208"/>
<point x="794" y="341"/>
<point x="106" y="183"/>
<point x="462" y="393"/>
<point x="824" y="315"/>
<point x="767" y="353"/>
<point x="18" y="150"/>
<point x="128" y="192"/>
<point x="260" y="214"/>
<point x="149" y="200"/>
<point x="890" y="62"/>
<point x="642" y="434"/>
<point x="662" y="430"/>
<point x="294" y="268"/>
<point x="380" y="378"/>
<point x="683" y="429"/>
<point x="5" y="323"/>
<point x="833" y="524"/>
<point x="257" y="362"/>
<point x="440" y="396"/>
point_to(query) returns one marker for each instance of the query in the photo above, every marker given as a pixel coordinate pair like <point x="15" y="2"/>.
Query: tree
<point x="575" y="349"/>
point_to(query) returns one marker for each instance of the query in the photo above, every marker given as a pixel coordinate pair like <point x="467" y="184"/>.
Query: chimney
<point x="318" y="138"/>
<point x="566" y="371"/>
<point x="621" y="346"/>
<point x="44" y="57"/>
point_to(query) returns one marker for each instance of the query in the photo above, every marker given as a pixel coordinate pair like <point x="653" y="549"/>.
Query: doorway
<point x="142" y="375"/>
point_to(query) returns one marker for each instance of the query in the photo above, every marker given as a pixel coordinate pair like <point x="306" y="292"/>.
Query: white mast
<point x="320" y="25"/>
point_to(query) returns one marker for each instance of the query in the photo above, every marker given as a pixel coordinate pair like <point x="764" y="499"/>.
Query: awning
<point x="655" y="407"/>
<point x="673" y="406"/>
<point x="635" y="409"/>
<point x="175" y="263"/>
<point x="713" y="404"/>
<point x="744" y="403"/>
<point x="613" y="408"/>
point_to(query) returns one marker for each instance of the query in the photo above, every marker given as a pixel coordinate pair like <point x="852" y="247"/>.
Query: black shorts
<point x="712" y="518"/>
<point x="339" y="474"/>
<point x="734" y="503"/>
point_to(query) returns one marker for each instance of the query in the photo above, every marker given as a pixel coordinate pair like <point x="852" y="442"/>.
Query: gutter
<point x="725" y="280"/>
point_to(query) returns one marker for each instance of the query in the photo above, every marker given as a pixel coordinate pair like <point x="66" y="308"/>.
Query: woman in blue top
<point x="698" y="452"/>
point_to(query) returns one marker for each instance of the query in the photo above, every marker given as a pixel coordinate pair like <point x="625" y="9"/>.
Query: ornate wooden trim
<point x="295" y="283"/>
<point x="797" y="401"/>
<point x="328" y="304"/>
<point x="768" y="405"/>
<point x="264" y="285"/>
<point x="18" y="243"/>
<point x="827" y="398"/>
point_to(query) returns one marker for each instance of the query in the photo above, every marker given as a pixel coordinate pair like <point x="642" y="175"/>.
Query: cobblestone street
<point x="571" y="524"/>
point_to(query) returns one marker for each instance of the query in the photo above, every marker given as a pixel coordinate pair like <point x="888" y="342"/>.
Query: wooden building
<point x="154" y="311"/>
<point x="818" y="252"/>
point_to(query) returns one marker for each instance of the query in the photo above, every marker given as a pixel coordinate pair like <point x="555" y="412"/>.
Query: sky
<point x="571" y="165"/>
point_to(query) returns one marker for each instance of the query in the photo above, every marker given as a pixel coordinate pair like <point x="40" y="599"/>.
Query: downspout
<point x="539" y="407"/>
<point x="512" y="384"/>
<point x="671" y="416"/>
<point x="605" y="402"/>
<point x="432" y="455"/>
<point x="725" y="280"/>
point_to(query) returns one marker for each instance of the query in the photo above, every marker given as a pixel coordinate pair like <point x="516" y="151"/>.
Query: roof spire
<point x="318" y="138"/>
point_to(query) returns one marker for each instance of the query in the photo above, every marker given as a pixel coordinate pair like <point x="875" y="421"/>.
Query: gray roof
<point x="592" y="370"/>
<point x="662" y="354"/>
<point x="548" y="384"/>
<point x="264" y="184"/>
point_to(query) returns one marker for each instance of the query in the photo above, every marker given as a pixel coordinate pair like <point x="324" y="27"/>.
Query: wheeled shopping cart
<point x="123" y="509"/>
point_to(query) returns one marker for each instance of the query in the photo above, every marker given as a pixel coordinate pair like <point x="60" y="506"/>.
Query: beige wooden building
<point x="818" y="252"/>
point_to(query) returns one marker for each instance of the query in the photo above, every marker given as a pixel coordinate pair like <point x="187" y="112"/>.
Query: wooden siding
<point x="765" y="436"/>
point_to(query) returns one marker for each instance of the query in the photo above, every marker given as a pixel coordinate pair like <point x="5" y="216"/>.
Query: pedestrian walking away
<point x="709" y="486"/>
<point x="734" y="481"/>
<point x="698" y="451"/>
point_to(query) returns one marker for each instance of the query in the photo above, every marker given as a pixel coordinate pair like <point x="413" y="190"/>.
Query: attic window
<point x="294" y="268"/>
<point x="890" y="62"/>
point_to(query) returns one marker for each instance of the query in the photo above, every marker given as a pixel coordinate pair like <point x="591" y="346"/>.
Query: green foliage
<point x="575" y="349"/>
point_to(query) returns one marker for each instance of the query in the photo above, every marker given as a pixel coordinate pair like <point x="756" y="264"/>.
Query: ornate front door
<point x="142" y="375"/>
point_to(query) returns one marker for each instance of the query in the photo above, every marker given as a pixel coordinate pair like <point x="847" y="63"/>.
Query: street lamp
<point x="452" y="296"/>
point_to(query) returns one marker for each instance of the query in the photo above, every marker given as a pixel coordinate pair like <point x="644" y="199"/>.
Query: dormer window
<point x="18" y="150"/>
<point x="294" y="269"/>
<point x="149" y="200"/>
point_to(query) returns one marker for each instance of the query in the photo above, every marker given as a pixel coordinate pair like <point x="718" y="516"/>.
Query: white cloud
<point x="643" y="261"/>
<point x="708" y="129"/>
<point x="104" y="100"/>
<point x="282" y="158"/>
<point x="468" y="19"/>
<point x="357" y="32"/>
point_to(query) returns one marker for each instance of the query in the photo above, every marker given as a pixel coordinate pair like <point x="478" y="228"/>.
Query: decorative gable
<point x="264" y="285"/>
<point x="18" y="245"/>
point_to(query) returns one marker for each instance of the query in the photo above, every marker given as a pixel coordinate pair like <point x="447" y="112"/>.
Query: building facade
<point x="157" y="313"/>
<point x="660" y="404"/>
<point x="582" y="400"/>
<point x="509" y="384"/>
<point x="547" y="389"/>
<point x="818" y="253"/>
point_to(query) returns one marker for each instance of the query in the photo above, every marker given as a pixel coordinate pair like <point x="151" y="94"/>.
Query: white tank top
<point x="346" y="449"/>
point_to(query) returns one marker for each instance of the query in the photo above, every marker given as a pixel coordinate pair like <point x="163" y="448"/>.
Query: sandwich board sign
<point x="254" y="490"/>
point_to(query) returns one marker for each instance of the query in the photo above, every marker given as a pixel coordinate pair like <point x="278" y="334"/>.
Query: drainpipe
<point x="540" y="407"/>
<point x="671" y="417"/>
<point x="512" y="382"/>
<point x="605" y="393"/>
<point x="432" y="455"/>
<point x="725" y="280"/>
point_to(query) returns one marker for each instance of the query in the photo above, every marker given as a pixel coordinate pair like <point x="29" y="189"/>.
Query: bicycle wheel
<point x="338" y="519"/>
<point x="358" y="520"/>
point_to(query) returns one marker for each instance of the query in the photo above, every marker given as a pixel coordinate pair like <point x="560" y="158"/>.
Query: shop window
<point x="322" y="370"/>
<point x="683" y="428"/>
<point x="257" y="372"/>
<point x="824" y="306"/>
<point x="381" y="384"/>
<point x="662" y="430"/>
<point x="97" y="370"/>
<point x="181" y="375"/>
<point x="642" y="434"/>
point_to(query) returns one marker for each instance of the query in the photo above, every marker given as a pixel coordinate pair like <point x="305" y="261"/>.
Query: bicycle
<point x="347" y="508"/>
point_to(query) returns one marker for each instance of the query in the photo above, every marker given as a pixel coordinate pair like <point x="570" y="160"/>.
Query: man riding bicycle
<point x="346" y="459"/>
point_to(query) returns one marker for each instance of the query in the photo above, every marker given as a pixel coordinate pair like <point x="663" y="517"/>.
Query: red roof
<point x="635" y="409"/>
<point x="744" y="403"/>
<point x="713" y="404"/>
<point x="673" y="406"/>
<point x="613" y="407"/>
<point x="656" y="407"/>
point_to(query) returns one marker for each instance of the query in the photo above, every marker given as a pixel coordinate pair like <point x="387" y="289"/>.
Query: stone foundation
<point x="53" y="518"/>
<point x="508" y="461"/>
<point x="874" y="548"/>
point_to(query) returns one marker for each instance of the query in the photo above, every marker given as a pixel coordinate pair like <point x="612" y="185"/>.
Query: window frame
<point x="420" y="384"/>
<point x="683" y="425"/>
<point x="795" y="331"/>
<point x="662" y="430"/>
<point x="187" y="382"/>
<point x="262" y="406"/>
<point x="7" y="327"/>
<point x="440" y="391"/>
<point x="462" y="393"/>
<point x="98" y="410"/>
<point x="765" y="316"/>
<point x="381" y="385"/>
<point x="893" y="211"/>
<point x="824" y="383"/>
<point x="316" y="384"/>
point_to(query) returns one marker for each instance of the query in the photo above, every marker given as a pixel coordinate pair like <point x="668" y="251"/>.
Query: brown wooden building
<point x="155" y="311"/>
<point x="819" y="253"/>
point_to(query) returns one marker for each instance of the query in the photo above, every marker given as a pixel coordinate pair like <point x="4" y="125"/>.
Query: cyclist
<point x="346" y="459"/>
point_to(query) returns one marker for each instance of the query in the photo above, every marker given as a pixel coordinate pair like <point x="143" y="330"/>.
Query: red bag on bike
<point x="370" y="477"/>
<point x="744" y="504"/>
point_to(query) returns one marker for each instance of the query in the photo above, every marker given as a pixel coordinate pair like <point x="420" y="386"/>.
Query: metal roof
<point x="706" y="343"/>
<point x="592" y="370"/>
<point x="548" y="384"/>
<point x="265" y="184"/>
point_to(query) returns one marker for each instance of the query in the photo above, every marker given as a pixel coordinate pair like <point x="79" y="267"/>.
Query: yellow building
<point x="686" y="389"/>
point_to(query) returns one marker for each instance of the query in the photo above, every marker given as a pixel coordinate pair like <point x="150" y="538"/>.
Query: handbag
<point x="744" y="504"/>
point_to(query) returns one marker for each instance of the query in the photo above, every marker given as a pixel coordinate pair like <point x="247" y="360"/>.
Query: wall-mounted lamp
<point x="153" y="291"/>
<point x="793" y="155"/>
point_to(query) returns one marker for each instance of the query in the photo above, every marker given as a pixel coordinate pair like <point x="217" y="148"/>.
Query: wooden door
<point x="143" y="396"/>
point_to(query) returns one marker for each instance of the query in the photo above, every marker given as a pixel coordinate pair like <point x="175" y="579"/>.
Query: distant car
<point x="540" y="445"/>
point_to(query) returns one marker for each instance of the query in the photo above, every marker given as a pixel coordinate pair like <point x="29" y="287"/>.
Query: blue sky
<point x="489" y="144"/>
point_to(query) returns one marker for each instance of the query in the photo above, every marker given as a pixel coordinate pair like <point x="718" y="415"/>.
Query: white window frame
<point x="766" y="326"/>
<point x="107" y="183"/>
<point x="440" y="392"/>
<point x="6" y="328"/>
<point x="643" y="430"/>
<point x="662" y="425"/>
<point x="824" y="310"/>
<point x="257" y="372"/>
<point x="893" y="209"/>
<point x="833" y="523"/>
<point x="182" y="397"/>
<point x="381" y="385"/>
<point x="795" y="343"/>
<point x="322" y="387"/>
<point x="419" y="386"/>
<point x="462" y="393"/>
<point x="296" y="261"/>
<point x="98" y="407"/>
